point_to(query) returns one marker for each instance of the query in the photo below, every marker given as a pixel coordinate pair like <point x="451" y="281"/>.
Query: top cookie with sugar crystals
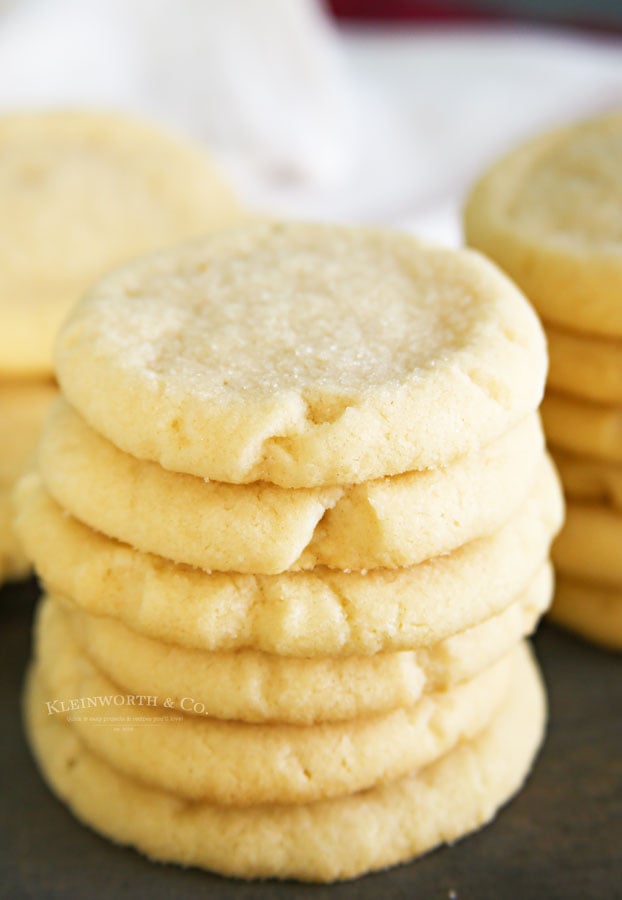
<point x="303" y="355"/>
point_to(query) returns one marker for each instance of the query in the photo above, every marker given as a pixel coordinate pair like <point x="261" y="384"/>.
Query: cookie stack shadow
<point x="277" y="681"/>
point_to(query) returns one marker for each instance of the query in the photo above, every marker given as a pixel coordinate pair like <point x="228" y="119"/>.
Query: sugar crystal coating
<point x="303" y="355"/>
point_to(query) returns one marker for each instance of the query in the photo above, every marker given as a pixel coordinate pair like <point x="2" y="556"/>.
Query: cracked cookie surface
<point x="320" y="612"/>
<point x="263" y="529"/>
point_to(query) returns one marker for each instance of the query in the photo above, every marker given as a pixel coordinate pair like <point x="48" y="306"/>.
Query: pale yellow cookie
<point x="13" y="562"/>
<point x="252" y="686"/>
<point x="303" y="355"/>
<point x="585" y="366"/>
<point x="325" y="841"/>
<point x="590" y="479"/>
<point x="82" y="192"/>
<point x="591" y="610"/>
<point x="23" y="408"/>
<point x="203" y="758"/>
<point x="589" y="546"/>
<point x="318" y="613"/>
<point x="582" y="428"/>
<point x="264" y="529"/>
<point x="549" y="215"/>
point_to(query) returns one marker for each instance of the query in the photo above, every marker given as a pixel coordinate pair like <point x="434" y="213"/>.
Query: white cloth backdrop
<point x="359" y="124"/>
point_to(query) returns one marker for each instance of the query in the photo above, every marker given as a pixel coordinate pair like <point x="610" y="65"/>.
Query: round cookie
<point x="23" y="408"/>
<point x="303" y="355"/>
<point x="589" y="479"/>
<point x="13" y="562"/>
<point x="84" y="192"/>
<point x="264" y="529"/>
<point x="585" y="366"/>
<point x="582" y="428"/>
<point x="252" y="686"/>
<point x="591" y="610"/>
<point x="549" y="215"/>
<point x="589" y="546"/>
<point x="325" y="841"/>
<point x="241" y="764"/>
<point x="318" y="613"/>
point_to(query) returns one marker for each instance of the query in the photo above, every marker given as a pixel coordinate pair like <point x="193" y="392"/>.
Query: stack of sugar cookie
<point x="550" y="214"/>
<point x="24" y="405"/>
<point x="293" y="516"/>
<point x="80" y="193"/>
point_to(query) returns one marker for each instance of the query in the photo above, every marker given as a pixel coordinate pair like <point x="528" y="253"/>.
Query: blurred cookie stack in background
<point x="293" y="515"/>
<point x="79" y="193"/>
<point x="24" y="403"/>
<point x="550" y="214"/>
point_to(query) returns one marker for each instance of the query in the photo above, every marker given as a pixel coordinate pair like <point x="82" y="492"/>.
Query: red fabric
<point x="588" y="17"/>
<point x="437" y="10"/>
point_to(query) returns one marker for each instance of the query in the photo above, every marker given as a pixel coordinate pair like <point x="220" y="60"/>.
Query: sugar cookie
<point x="264" y="529"/>
<point x="590" y="479"/>
<point x="591" y="610"/>
<point x="83" y="192"/>
<point x="252" y="686"/>
<point x="23" y="408"/>
<point x="589" y="546"/>
<point x="303" y="355"/>
<point x="328" y="840"/>
<point x="585" y="367"/>
<point x="322" y="612"/>
<point x="13" y="562"/>
<point x="582" y="428"/>
<point x="549" y="215"/>
<point x="202" y="758"/>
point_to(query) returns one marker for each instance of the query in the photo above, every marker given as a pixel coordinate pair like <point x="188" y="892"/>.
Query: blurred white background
<point x="379" y="124"/>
